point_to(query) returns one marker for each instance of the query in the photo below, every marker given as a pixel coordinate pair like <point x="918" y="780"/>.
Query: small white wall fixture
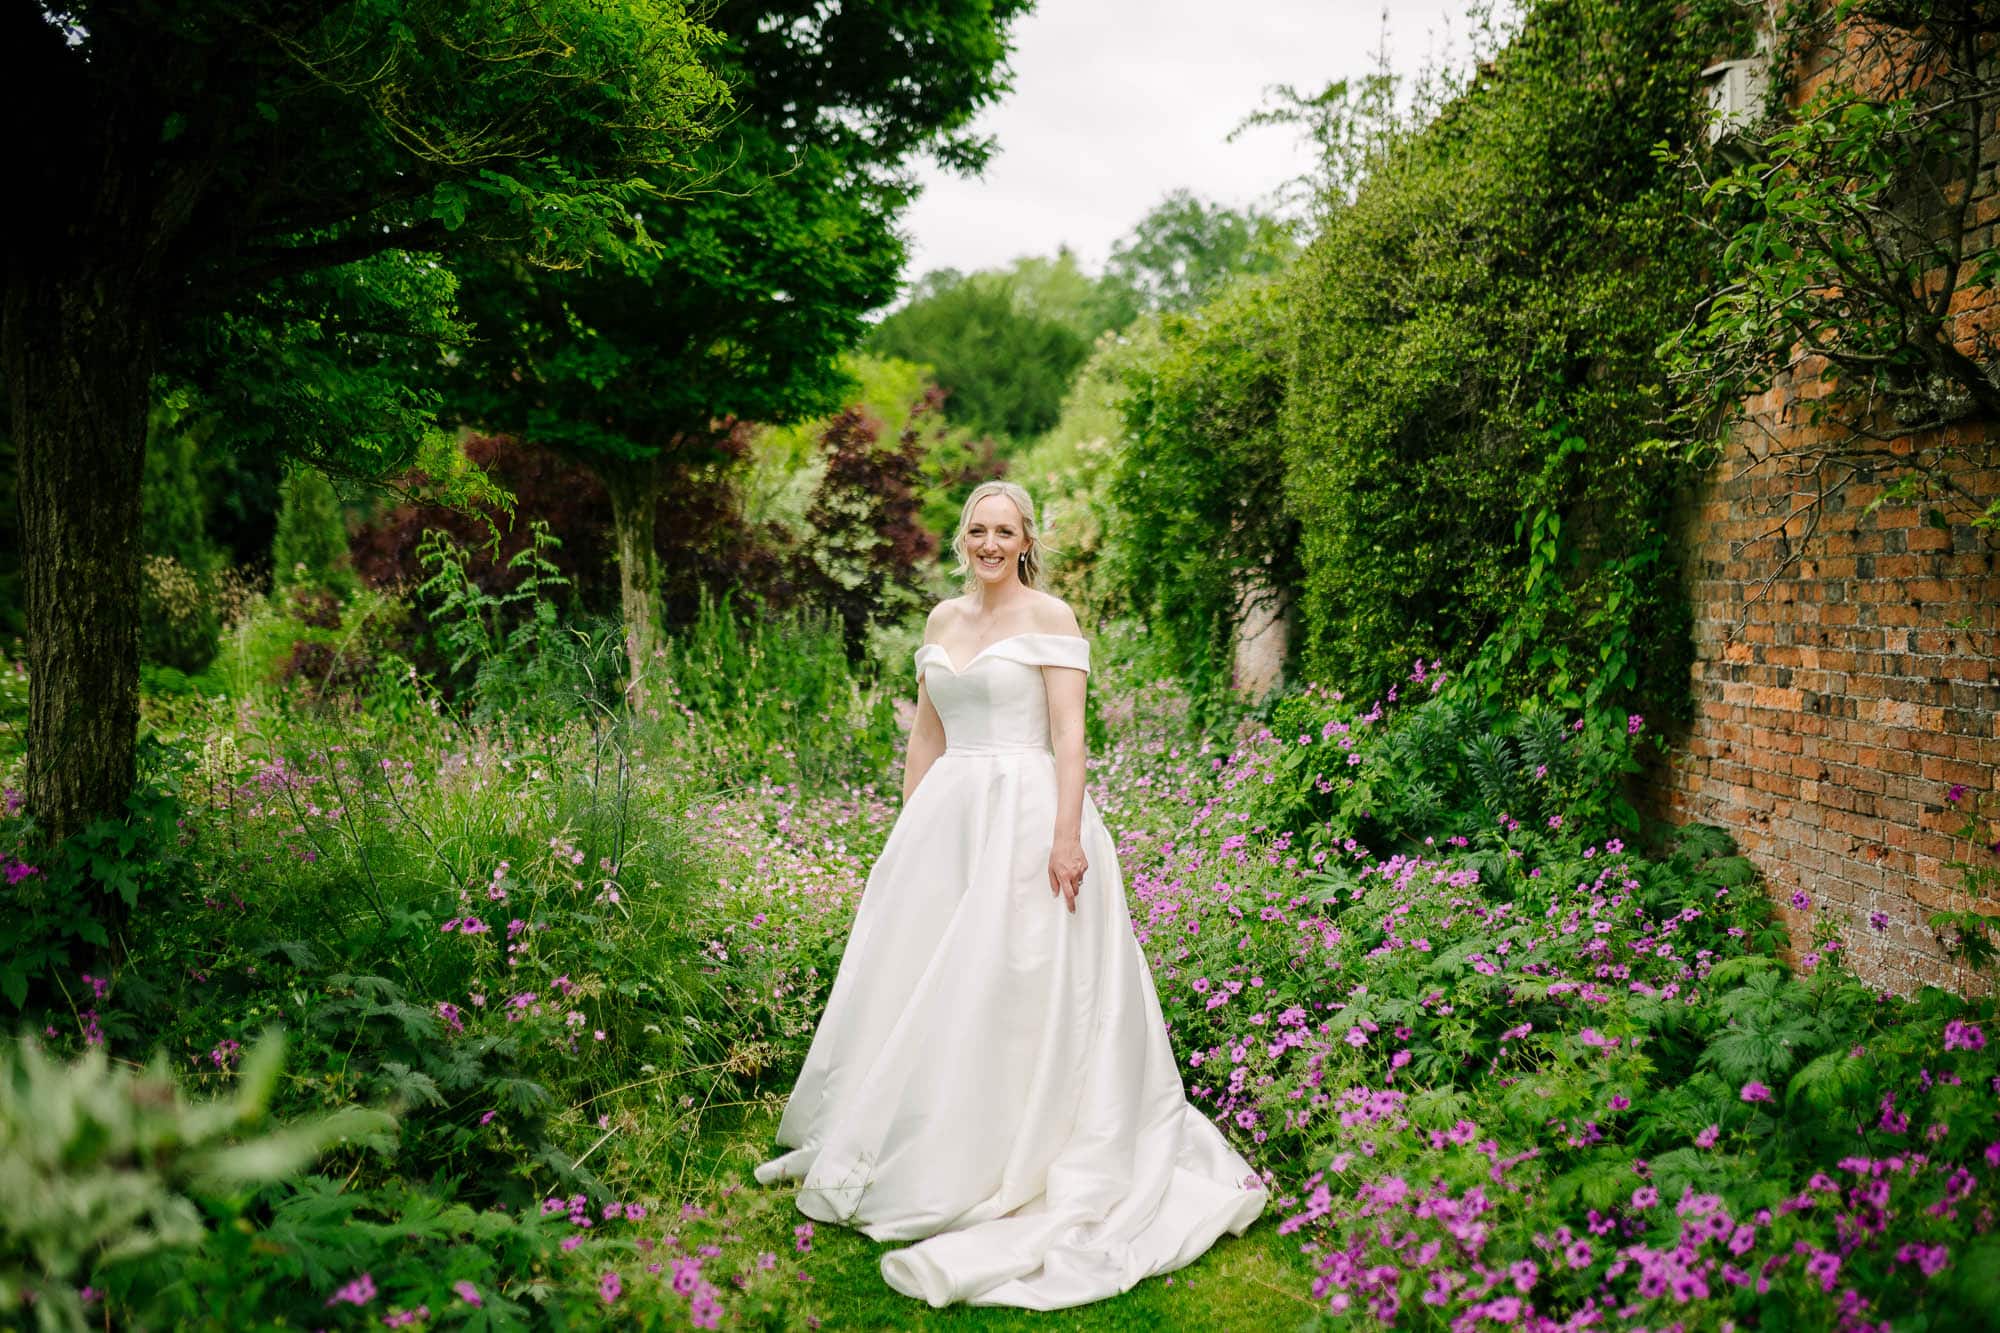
<point x="1735" y="90"/>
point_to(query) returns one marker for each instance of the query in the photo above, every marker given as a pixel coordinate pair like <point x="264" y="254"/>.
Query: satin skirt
<point x="992" y="1076"/>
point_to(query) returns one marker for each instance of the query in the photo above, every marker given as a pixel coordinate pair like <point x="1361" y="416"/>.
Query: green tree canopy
<point x="1184" y="250"/>
<point x="759" y="281"/>
<point x="193" y="164"/>
<point x="1194" y="531"/>
<point x="1004" y="364"/>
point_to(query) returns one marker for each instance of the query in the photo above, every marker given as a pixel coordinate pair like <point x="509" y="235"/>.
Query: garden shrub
<point x="310" y="547"/>
<point x="1501" y="1058"/>
<point x="1193" y="488"/>
<point x="1475" y="387"/>
<point x="773" y="698"/>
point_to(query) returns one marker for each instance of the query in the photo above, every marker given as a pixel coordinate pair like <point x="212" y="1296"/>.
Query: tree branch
<point x="267" y="264"/>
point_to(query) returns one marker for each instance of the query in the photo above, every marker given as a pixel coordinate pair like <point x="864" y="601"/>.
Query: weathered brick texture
<point x="1837" y="705"/>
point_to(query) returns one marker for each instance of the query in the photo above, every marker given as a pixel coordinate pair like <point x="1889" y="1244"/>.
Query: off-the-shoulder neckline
<point x="956" y="670"/>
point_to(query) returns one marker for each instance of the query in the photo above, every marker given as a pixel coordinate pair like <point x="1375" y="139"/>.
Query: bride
<point x="992" y="1071"/>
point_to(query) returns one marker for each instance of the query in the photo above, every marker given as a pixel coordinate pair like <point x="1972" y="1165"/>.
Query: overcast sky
<point x="1117" y="102"/>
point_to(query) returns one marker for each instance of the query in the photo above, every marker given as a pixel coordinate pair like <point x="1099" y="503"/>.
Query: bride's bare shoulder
<point x="1056" y="616"/>
<point x="941" y="618"/>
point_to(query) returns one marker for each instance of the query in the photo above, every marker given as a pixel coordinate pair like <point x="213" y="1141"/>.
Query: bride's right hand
<point x="1066" y="867"/>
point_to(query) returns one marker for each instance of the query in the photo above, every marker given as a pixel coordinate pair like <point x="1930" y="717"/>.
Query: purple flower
<point x="1706" y="1139"/>
<point x="1956" y="794"/>
<point x="1645" y="1197"/>
<point x="1800" y="900"/>
<point x="1753" y="1091"/>
<point x="1962" y="1036"/>
<point x="609" y="1287"/>
<point x="1633" y="723"/>
<point x="358" y="1292"/>
<point x="1879" y="920"/>
<point x="467" y="1292"/>
<point x="1929" y="1258"/>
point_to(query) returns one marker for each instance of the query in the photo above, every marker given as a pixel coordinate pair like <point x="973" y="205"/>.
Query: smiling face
<point x="994" y="540"/>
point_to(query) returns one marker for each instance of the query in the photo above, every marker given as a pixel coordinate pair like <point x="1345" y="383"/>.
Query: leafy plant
<point x="67" y="904"/>
<point x="524" y="661"/>
<point x="110" y="1173"/>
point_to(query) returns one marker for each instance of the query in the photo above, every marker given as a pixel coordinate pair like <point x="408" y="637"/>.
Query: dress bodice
<point x="997" y="701"/>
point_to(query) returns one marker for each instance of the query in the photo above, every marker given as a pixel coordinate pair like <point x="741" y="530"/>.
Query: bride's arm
<point x="1065" y="687"/>
<point x="1066" y="859"/>
<point x="926" y="742"/>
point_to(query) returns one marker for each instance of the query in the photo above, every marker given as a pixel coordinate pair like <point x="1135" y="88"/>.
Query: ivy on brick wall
<point x="1470" y="429"/>
<point x="1855" y="228"/>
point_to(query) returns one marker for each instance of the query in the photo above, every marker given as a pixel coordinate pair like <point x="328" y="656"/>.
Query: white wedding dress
<point x="993" y="1072"/>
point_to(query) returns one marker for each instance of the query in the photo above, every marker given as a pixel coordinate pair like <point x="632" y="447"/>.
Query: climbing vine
<point x="1854" y="224"/>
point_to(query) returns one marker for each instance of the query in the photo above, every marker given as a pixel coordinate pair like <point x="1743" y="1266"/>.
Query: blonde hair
<point x="1031" y="565"/>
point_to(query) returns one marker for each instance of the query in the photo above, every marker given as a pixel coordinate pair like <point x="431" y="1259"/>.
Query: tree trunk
<point x="78" y="347"/>
<point x="634" y="487"/>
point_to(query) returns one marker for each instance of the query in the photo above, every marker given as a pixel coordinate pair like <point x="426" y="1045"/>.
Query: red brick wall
<point x="1835" y="708"/>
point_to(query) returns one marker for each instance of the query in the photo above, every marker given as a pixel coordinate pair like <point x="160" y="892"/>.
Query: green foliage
<point x="306" y="647"/>
<point x="310" y="548"/>
<point x="1965" y="930"/>
<point x="338" y="367"/>
<point x="180" y="614"/>
<point x="1004" y="364"/>
<point x="1475" y="381"/>
<point x="1185" y="251"/>
<point x="774" y="697"/>
<point x="514" y="653"/>
<point x="1058" y="289"/>
<point x="787" y="464"/>
<point x="175" y="507"/>
<point x="430" y="124"/>
<point x="61" y="905"/>
<point x="1194" y="531"/>
<point x="447" y="917"/>
<point x="110" y="1173"/>
<point x="1855" y="245"/>
<point x="750" y="291"/>
<point x="1449" y="765"/>
<point x="1008" y="343"/>
<point x="1071" y="468"/>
